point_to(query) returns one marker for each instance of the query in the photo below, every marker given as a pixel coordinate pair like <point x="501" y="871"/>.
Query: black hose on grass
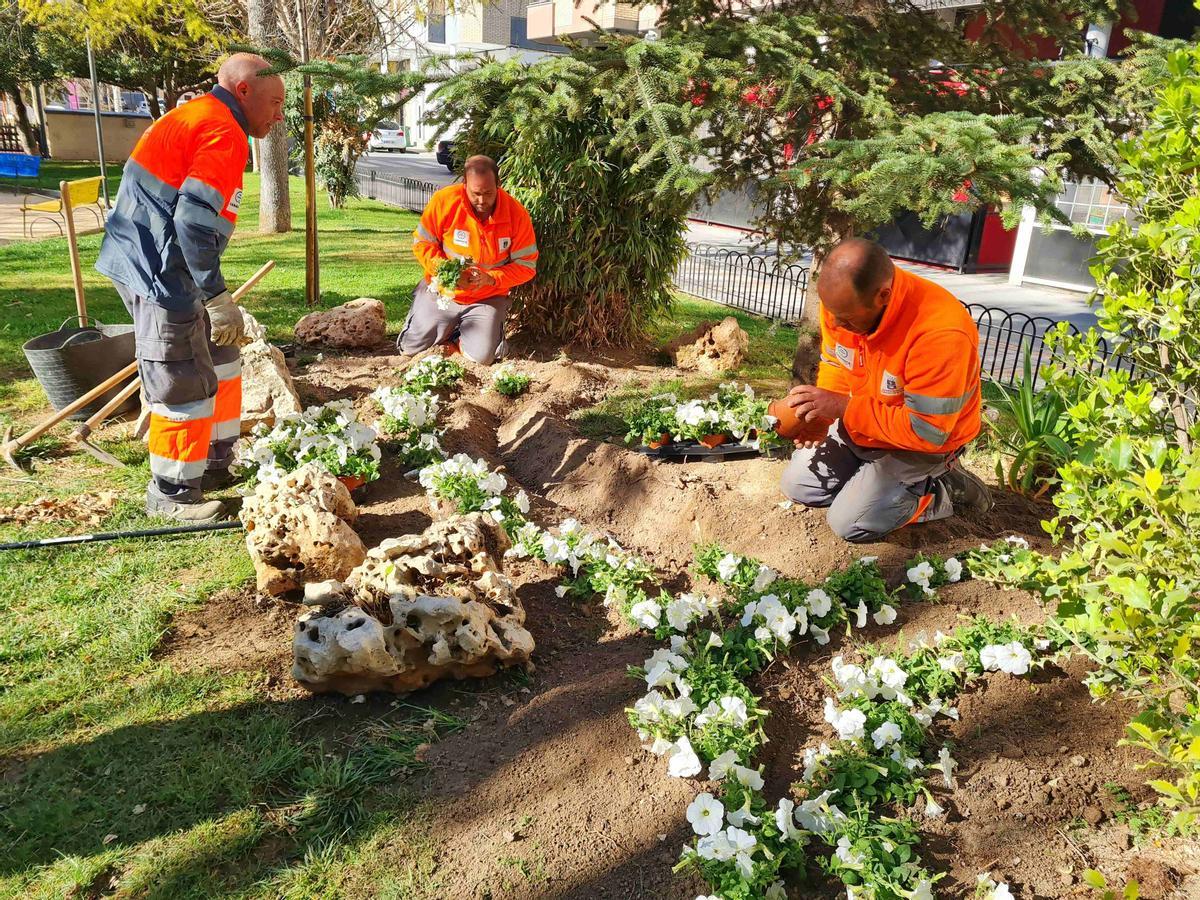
<point x="120" y="535"/>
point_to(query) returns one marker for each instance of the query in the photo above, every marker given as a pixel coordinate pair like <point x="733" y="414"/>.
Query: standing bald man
<point x="480" y="220"/>
<point x="176" y="209"/>
<point x="899" y="373"/>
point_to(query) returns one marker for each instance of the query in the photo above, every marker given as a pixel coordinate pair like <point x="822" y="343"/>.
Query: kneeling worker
<point x="174" y="214"/>
<point x="899" y="374"/>
<point x="479" y="220"/>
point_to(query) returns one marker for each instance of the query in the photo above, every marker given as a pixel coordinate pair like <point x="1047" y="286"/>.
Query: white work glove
<point x="226" y="318"/>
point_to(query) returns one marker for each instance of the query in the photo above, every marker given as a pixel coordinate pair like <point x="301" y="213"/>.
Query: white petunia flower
<point x="776" y="892"/>
<point x="922" y="573"/>
<point x="785" y="819"/>
<point x="742" y="816"/>
<point x="887" y="733"/>
<point x="748" y="777"/>
<point x="932" y="808"/>
<point x="848" y="723"/>
<point x="820" y="635"/>
<point x="647" y="613"/>
<point x="818" y="602"/>
<point x="765" y="578"/>
<point x="812" y="759"/>
<point x="728" y="566"/>
<point x="861" y="612"/>
<point x="946" y="765"/>
<point x="885" y="616"/>
<point x="954" y="569"/>
<point x="1012" y="658"/>
<point x="923" y="891"/>
<point x="1017" y="541"/>
<point x="721" y="766"/>
<point x="682" y="761"/>
<point x="847" y="855"/>
<point x="714" y="640"/>
<point x="706" y="814"/>
<point x="955" y="662"/>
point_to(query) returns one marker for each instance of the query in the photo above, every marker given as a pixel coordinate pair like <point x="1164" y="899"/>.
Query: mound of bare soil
<point x="546" y="793"/>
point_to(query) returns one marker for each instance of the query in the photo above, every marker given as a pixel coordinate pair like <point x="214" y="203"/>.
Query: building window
<point x="1092" y="204"/>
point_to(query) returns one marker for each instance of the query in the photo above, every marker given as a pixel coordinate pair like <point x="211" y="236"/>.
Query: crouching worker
<point x="175" y="211"/>
<point x="480" y="221"/>
<point x="899" y="375"/>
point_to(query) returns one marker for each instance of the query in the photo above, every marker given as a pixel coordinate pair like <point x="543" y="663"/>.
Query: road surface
<point x="422" y="166"/>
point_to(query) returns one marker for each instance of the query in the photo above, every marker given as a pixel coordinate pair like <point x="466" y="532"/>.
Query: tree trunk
<point x="808" y="342"/>
<point x="29" y="141"/>
<point x="275" y="203"/>
<point x="151" y="92"/>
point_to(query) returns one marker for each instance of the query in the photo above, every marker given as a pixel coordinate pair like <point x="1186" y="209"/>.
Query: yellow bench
<point x="81" y="194"/>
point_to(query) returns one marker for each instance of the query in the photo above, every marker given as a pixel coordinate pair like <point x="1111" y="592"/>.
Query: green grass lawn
<point x="122" y="775"/>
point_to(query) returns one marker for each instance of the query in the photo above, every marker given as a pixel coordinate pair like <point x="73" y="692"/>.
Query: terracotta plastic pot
<point x="662" y="441"/>
<point x="713" y="440"/>
<point x="792" y="428"/>
<point x="352" y="482"/>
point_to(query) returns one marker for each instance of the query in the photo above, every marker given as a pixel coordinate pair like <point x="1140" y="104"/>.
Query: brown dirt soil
<point x="547" y="793"/>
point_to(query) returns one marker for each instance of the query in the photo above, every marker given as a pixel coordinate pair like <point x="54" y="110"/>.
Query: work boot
<point x="198" y="512"/>
<point x="967" y="490"/>
<point x="218" y="479"/>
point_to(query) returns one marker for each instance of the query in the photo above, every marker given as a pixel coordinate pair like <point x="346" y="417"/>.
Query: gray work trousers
<point x="193" y="389"/>
<point x="480" y="325"/>
<point x="870" y="493"/>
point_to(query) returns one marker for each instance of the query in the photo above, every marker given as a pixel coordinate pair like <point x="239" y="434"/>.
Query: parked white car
<point x="388" y="136"/>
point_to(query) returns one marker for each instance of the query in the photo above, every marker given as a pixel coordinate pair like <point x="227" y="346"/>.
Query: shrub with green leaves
<point x="509" y="382"/>
<point x="1127" y="584"/>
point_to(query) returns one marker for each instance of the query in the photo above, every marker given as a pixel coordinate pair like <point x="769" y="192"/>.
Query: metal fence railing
<point x="395" y="190"/>
<point x="754" y="283"/>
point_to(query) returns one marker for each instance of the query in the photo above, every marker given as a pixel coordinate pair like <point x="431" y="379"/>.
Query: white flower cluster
<point x="470" y="481"/>
<point x="408" y="411"/>
<point x="330" y="435"/>
<point x="988" y="889"/>
<point x="923" y="574"/>
<point x="733" y="409"/>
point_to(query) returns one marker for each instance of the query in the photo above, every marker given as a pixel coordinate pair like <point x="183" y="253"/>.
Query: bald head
<point x="855" y="284"/>
<point x="481" y="178"/>
<point x="260" y="96"/>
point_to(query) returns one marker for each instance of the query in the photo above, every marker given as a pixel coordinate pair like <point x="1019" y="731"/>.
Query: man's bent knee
<point x="477" y="353"/>
<point x="853" y="531"/>
<point x="800" y="484"/>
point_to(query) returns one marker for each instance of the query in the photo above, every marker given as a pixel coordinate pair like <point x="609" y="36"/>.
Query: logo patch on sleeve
<point x="461" y="237"/>
<point x="890" y="385"/>
<point x="845" y="356"/>
<point x="235" y="202"/>
<point x="505" y="243"/>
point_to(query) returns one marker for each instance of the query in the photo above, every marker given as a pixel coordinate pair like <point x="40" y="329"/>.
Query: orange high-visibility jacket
<point x="914" y="381"/>
<point x="178" y="203"/>
<point x="504" y="245"/>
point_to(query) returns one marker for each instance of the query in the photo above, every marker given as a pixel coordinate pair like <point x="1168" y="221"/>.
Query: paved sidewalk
<point x="991" y="290"/>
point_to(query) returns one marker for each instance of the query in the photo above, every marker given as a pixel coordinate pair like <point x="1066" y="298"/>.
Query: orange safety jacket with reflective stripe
<point x="914" y="381"/>
<point x="504" y="245"/>
<point x="178" y="203"/>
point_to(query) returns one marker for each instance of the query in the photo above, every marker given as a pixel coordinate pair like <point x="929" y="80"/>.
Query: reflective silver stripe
<point x="927" y="432"/>
<point x="226" y="371"/>
<point x="937" y="406"/>
<point x="524" y="251"/>
<point x="136" y="173"/>
<point x="185" y="412"/>
<point x="453" y="254"/>
<point x="424" y="234"/>
<point x="192" y="213"/>
<point x="203" y="191"/>
<point x="227" y="430"/>
<point x="177" y="470"/>
<point x="527" y="263"/>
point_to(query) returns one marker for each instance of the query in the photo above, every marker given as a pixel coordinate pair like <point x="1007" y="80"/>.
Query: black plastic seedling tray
<point x="688" y="451"/>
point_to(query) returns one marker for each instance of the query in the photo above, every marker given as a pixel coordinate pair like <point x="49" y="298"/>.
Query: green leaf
<point x="1094" y="879"/>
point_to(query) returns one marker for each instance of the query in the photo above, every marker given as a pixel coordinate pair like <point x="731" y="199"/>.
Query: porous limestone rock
<point x="298" y="530"/>
<point x="419" y="608"/>
<point x="712" y="348"/>
<point x="358" y="325"/>
<point x="267" y="389"/>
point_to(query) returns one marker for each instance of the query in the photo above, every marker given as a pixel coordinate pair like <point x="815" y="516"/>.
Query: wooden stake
<point x="312" y="271"/>
<point x="73" y="248"/>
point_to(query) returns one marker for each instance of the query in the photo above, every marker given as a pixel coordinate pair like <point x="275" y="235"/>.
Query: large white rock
<point x="298" y="530"/>
<point x="419" y="608"/>
<point x="268" y="392"/>
<point x="358" y="325"/>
